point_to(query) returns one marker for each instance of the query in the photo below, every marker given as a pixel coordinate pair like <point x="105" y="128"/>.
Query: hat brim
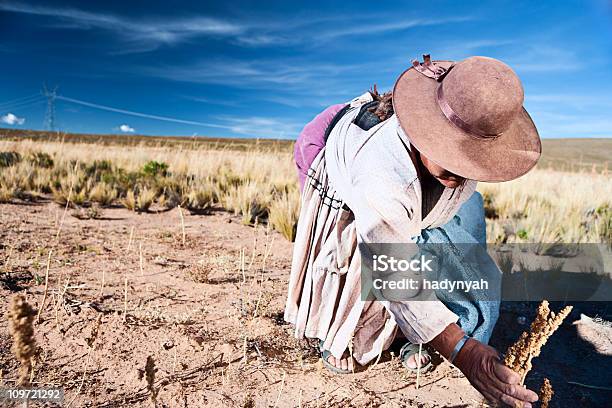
<point x="504" y="158"/>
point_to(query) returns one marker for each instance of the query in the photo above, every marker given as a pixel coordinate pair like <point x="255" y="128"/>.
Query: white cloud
<point x="140" y="35"/>
<point x="390" y="26"/>
<point x="279" y="75"/>
<point x="126" y="129"/>
<point x="11" y="119"/>
<point x="147" y="34"/>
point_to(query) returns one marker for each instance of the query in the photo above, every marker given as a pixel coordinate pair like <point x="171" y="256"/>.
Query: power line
<point x="19" y="101"/>
<point x="51" y="95"/>
<point x="139" y="114"/>
<point x="23" y="104"/>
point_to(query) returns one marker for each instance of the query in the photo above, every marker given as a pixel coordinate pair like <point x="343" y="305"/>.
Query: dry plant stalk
<point x="242" y="265"/>
<point x="180" y="210"/>
<point x="21" y="318"/>
<point x="125" y="299"/>
<point x="350" y="348"/>
<point x="95" y="330"/>
<point x="419" y="366"/>
<point x="59" y="229"/>
<point x="546" y="393"/>
<point x="129" y="245"/>
<point x="280" y="391"/>
<point x="528" y="346"/>
<point x="150" y="371"/>
<point x="102" y="283"/>
<point x="60" y="301"/>
<point x="46" y="290"/>
<point x="141" y="260"/>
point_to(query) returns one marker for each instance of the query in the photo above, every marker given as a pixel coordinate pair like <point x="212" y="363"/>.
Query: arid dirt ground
<point x="207" y="307"/>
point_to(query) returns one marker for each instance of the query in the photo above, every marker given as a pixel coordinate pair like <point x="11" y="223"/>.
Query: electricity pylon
<point x="49" y="123"/>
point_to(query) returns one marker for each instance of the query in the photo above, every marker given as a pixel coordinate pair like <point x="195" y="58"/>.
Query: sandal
<point x="325" y="354"/>
<point x="408" y="350"/>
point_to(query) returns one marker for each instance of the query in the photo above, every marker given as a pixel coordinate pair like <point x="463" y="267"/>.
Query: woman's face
<point x="445" y="177"/>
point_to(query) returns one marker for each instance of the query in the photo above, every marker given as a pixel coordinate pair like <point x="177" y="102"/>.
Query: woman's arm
<point x="483" y="368"/>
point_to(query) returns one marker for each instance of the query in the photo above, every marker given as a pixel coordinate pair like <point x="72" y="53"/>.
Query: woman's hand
<point x="484" y="369"/>
<point x="488" y="374"/>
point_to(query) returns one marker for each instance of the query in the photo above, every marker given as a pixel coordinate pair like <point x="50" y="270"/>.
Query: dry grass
<point x="550" y="206"/>
<point x="248" y="183"/>
<point x="211" y="263"/>
<point x="260" y="186"/>
<point x="284" y="213"/>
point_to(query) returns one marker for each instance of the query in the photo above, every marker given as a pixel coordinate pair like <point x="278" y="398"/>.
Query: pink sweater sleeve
<point x="311" y="141"/>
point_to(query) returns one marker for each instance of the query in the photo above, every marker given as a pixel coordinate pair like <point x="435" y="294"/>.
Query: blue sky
<point x="263" y="69"/>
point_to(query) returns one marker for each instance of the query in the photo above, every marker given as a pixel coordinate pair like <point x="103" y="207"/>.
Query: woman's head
<point x="445" y="177"/>
<point x="384" y="110"/>
<point x="468" y="118"/>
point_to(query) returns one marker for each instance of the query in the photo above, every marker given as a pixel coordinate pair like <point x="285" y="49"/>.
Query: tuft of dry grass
<point x="129" y="201"/>
<point x="103" y="193"/>
<point x="140" y="200"/>
<point x="284" y="213"/>
<point x="546" y="393"/>
<point x="7" y="193"/>
<point x="145" y="199"/>
<point x="21" y="319"/>
<point x="519" y="355"/>
<point x="209" y="264"/>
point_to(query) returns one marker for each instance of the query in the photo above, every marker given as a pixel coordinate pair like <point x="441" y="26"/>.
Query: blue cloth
<point x="463" y="241"/>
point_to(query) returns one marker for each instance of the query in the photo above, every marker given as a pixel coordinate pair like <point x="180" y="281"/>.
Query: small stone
<point x="160" y="260"/>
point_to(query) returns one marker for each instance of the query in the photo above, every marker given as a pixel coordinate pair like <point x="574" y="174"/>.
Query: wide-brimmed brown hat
<point x="468" y="117"/>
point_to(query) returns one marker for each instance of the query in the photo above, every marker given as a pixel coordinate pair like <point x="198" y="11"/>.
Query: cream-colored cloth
<point x="372" y="173"/>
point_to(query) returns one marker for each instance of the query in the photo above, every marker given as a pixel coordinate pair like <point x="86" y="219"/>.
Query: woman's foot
<point x="411" y="361"/>
<point x="342" y="365"/>
<point x="409" y="357"/>
<point x="346" y="363"/>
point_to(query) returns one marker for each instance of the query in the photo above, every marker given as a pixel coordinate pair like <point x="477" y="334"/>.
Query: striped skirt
<point x="324" y="296"/>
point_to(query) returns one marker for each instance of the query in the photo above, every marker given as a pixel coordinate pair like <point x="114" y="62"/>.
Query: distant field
<point x="559" y="154"/>
<point x="131" y="140"/>
<point x="576" y="154"/>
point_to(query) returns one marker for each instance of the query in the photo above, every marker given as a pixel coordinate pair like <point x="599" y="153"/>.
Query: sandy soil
<point x="213" y="327"/>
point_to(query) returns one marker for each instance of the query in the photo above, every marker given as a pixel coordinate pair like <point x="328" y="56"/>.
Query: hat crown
<point x="485" y="93"/>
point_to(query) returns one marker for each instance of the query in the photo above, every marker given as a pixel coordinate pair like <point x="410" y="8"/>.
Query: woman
<point x="402" y="168"/>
